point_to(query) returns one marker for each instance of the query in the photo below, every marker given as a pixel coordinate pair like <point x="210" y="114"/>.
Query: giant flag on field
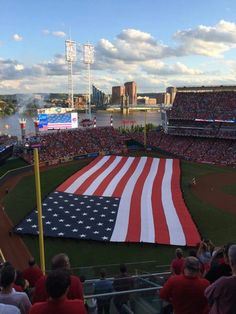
<point x="119" y="199"/>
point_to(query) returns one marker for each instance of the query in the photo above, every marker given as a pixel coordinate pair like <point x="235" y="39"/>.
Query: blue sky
<point x="154" y="42"/>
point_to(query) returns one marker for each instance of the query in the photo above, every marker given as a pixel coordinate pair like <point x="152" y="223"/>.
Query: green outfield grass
<point x="212" y="223"/>
<point x="12" y="164"/>
<point x="230" y="189"/>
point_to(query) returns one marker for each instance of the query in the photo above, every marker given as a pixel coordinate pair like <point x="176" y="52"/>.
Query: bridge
<point x="142" y="107"/>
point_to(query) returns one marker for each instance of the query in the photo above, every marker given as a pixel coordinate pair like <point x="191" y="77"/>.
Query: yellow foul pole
<point x="39" y="208"/>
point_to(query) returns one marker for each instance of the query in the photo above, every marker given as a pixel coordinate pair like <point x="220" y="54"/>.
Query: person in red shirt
<point x="177" y="264"/>
<point x="32" y="273"/>
<point x="57" y="286"/>
<point x="186" y="292"/>
<point x="60" y="261"/>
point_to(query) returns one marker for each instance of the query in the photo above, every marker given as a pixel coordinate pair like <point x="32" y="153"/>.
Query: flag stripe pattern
<point x="151" y="207"/>
<point x="119" y="199"/>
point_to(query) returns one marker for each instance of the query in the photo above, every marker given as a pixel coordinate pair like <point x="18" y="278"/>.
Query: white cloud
<point x="17" y="37"/>
<point x="135" y="55"/>
<point x="211" y="41"/>
<point x="19" y="67"/>
<point x="59" y="34"/>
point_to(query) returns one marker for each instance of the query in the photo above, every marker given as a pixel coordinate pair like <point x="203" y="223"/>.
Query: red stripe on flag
<point x="104" y="184"/>
<point x="134" y="228"/>
<point x="121" y="185"/>
<point x="191" y="234"/>
<point x="84" y="186"/>
<point x="65" y="185"/>
<point x="159" y="218"/>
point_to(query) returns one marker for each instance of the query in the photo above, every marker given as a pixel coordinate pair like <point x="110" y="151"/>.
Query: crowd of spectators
<point x="59" y="291"/>
<point x="215" y="105"/>
<point x="202" y="282"/>
<point x="209" y="150"/>
<point x="70" y="143"/>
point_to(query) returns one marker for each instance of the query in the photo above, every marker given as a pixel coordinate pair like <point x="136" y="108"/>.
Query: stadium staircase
<point x="143" y="298"/>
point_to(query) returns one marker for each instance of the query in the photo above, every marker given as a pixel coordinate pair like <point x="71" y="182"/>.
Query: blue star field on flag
<point x="74" y="216"/>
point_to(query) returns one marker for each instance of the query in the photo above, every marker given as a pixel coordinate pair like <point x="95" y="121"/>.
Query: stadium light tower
<point x="88" y="58"/>
<point x="70" y="56"/>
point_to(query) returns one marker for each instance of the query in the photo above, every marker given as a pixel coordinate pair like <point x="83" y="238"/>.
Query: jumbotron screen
<point x="55" y="121"/>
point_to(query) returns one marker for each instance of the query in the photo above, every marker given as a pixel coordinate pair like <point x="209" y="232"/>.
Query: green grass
<point x="212" y="223"/>
<point x="12" y="164"/>
<point x="230" y="189"/>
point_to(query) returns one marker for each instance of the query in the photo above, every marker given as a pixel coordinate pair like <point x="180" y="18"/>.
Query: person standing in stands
<point x="32" y="273"/>
<point x="103" y="286"/>
<point x="221" y="294"/>
<point x="8" y="309"/>
<point x="8" y="295"/>
<point x="177" y="264"/>
<point x="59" y="261"/>
<point x="122" y="282"/>
<point x="220" y="265"/>
<point x="186" y="292"/>
<point x="57" y="286"/>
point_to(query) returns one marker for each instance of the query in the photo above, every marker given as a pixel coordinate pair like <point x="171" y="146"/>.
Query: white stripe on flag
<point x="175" y="228"/>
<point x="147" y="223"/>
<point x="92" y="188"/>
<point x="122" y="219"/>
<point x="114" y="182"/>
<point x="77" y="183"/>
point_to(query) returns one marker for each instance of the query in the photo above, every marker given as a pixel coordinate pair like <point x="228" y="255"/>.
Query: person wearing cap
<point x="221" y="294"/>
<point x="177" y="264"/>
<point x="186" y="291"/>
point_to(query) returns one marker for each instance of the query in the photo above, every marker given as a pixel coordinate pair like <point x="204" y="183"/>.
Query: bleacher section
<point x="64" y="145"/>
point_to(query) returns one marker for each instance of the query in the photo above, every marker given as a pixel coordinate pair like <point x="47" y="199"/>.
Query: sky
<point x="157" y="43"/>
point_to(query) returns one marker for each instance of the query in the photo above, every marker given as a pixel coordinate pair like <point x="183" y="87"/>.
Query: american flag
<point x="119" y="199"/>
<point x="59" y="121"/>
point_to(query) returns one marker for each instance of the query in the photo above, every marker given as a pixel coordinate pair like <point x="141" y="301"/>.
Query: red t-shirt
<point x="63" y="306"/>
<point x="178" y="265"/>
<point x="32" y="274"/>
<point x="186" y="294"/>
<point x="75" y="291"/>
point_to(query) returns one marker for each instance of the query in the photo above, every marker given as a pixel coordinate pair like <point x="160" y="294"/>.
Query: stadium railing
<point x="134" y="268"/>
<point x="143" y="298"/>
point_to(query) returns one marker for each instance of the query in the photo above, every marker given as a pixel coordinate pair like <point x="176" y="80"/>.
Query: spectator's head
<point x="31" y="261"/>
<point x="191" y="266"/>
<point x="8" y="275"/>
<point x="232" y="257"/>
<point x="179" y="252"/>
<point x="60" y="261"/>
<point x="103" y="273"/>
<point x="226" y="252"/>
<point x="123" y="268"/>
<point x="58" y="283"/>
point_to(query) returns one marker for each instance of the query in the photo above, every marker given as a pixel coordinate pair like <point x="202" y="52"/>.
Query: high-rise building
<point x="172" y="91"/>
<point x="99" y="99"/>
<point x="131" y="92"/>
<point x="118" y="93"/>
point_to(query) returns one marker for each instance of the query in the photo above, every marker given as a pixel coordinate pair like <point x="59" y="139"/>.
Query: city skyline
<point x="154" y="43"/>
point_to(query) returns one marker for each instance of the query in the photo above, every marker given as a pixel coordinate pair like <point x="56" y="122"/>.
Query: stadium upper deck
<point x="204" y="113"/>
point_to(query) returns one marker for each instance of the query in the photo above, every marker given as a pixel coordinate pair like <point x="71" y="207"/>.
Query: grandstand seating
<point x="211" y="150"/>
<point x="67" y="144"/>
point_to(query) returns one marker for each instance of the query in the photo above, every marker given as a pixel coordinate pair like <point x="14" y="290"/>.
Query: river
<point x="10" y="125"/>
